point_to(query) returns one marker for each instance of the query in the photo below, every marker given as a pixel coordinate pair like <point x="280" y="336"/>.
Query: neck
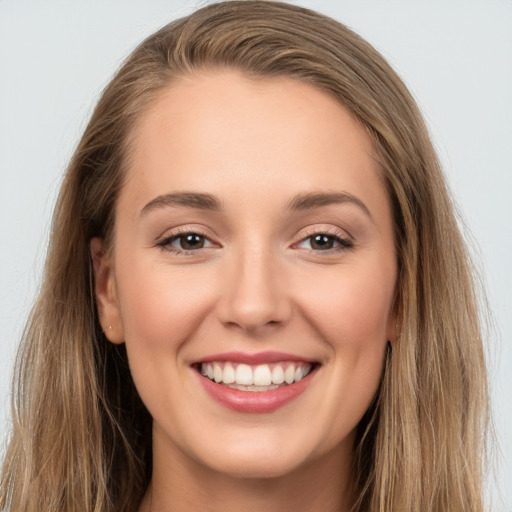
<point x="181" y="485"/>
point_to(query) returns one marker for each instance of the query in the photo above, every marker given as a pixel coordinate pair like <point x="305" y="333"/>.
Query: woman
<point x="263" y="299"/>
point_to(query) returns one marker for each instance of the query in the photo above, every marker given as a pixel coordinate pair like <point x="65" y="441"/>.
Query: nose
<point x="253" y="296"/>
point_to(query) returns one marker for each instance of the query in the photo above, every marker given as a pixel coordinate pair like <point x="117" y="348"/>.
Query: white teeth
<point x="243" y="375"/>
<point x="278" y="374"/>
<point x="228" y="376"/>
<point x="289" y="374"/>
<point x="217" y="372"/>
<point x="262" y="377"/>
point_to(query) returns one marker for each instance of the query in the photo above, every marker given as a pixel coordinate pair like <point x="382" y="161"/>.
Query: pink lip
<point x="255" y="401"/>
<point x="253" y="359"/>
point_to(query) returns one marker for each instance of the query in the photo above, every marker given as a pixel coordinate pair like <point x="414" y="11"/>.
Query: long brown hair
<point x="81" y="438"/>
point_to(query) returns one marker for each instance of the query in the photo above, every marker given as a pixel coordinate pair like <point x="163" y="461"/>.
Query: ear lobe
<point x="105" y="292"/>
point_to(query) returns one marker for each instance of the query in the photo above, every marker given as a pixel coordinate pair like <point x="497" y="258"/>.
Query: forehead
<point x="221" y="132"/>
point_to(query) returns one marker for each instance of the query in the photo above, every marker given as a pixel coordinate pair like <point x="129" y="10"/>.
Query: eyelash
<point x="165" y="244"/>
<point x="344" y="243"/>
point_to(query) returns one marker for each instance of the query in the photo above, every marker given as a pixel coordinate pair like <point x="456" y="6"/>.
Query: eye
<point x="325" y="242"/>
<point x="185" y="242"/>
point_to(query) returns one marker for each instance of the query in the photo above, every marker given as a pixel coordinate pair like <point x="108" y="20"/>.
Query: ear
<point x="106" y="293"/>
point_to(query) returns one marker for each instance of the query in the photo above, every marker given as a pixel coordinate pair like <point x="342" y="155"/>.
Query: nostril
<point x="253" y="300"/>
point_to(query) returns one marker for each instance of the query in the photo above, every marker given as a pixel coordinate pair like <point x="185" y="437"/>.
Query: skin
<point x="257" y="283"/>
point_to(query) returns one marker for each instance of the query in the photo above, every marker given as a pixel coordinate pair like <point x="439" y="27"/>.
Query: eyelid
<point x="164" y="241"/>
<point x="345" y="240"/>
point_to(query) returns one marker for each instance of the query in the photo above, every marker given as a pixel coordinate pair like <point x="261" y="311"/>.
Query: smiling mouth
<point x="261" y="377"/>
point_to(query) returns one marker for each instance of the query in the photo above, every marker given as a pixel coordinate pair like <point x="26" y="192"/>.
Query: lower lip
<point x="255" y="401"/>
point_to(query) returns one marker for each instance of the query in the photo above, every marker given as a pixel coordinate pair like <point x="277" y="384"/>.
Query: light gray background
<point x="456" y="56"/>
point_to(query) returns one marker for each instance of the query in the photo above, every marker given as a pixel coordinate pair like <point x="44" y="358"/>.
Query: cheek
<point x="349" y="306"/>
<point x="161" y="309"/>
<point x="356" y="331"/>
<point x="161" y="306"/>
<point x="351" y="317"/>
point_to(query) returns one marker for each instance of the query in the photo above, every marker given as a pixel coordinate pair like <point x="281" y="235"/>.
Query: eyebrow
<point x="187" y="199"/>
<point x="305" y="201"/>
<point x="312" y="200"/>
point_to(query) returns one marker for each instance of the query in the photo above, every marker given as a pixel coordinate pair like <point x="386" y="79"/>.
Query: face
<point x="253" y="273"/>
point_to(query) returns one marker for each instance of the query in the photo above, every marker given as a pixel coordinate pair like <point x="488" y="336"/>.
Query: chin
<point x="253" y="467"/>
<point x="257" y="456"/>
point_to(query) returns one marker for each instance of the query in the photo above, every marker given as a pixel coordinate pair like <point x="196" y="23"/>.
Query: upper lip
<point x="253" y="358"/>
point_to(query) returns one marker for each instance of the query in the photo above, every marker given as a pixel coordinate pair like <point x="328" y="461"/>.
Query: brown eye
<point x="185" y="242"/>
<point x="322" y="242"/>
<point x="325" y="242"/>
<point x="191" y="241"/>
